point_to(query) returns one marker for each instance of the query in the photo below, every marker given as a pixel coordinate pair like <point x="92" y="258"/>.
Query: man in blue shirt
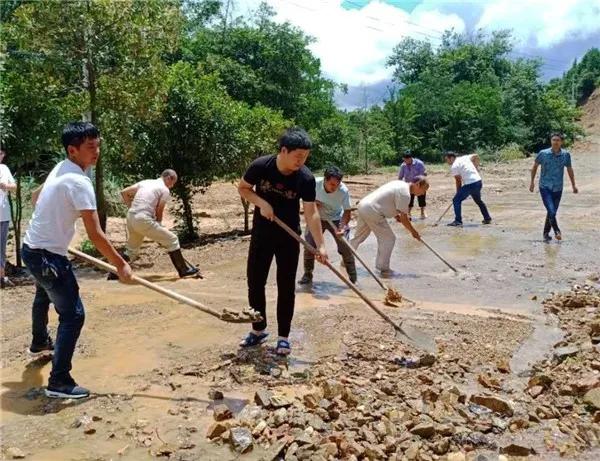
<point x="410" y="169"/>
<point x="553" y="162"/>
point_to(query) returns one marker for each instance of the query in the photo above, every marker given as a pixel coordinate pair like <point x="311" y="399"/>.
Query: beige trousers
<point x="140" y="226"/>
<point x="369" y="220"/>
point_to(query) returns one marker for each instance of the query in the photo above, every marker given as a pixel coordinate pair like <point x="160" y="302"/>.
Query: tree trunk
<point x="188" y="215"/>
<point x="246" y="205"/>
<point x="16" y="213"/>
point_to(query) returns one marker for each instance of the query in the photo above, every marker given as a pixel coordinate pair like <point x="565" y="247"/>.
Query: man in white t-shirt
<point x="7" y="184"/>
<point x="333" y="202"/>
<point x="388" y="201"/>
<point x="465" y="170"/>
<point x="146" y="201"/>
<point x="66" y="195"/>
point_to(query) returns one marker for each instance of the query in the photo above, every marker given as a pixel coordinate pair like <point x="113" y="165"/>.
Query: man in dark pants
<point x="553" y="160"/>
<point x="275" y="184"/>
<point x="333" y="201"/>
<point x="66" y="195"/>
<point x="465" y="170"/>
<point x="411" y="168"/>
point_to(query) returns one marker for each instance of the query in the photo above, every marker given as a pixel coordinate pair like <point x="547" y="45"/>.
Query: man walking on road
<point x="465" y="170"/>
<point x="275" y="184"/>
<point x="388" y="201"/>
<point x="66" y="195"/>
<point x="411" y="168"/>
<point x="333" y="202"/>
<point x="146" y="201"/>
<point x="553" y="161"/>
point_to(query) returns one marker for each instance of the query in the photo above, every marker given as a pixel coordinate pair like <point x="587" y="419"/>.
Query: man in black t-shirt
<point x="275" y="184"/>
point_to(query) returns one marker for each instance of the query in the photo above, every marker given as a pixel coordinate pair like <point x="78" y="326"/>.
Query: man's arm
<point x="534" y="169"/>
<point x="160" y="209"/>
<point x="128" y="194"/>
<point x="402" y="218"/>
<point x="346" y="217"/>
<point x="246" y="191"/>
<point x="475" y="159"/>
<point x="313" y="221"/>
<point x="458" y="181"/>
<point x="98" y="238"/>
<point x="8" y="186"/>
<point x="571" y="174"/>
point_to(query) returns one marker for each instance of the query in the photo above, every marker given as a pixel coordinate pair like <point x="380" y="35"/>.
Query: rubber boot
<point x="181" y="265"/>
<point x="350" y="265"/>
<point x="124" y="255"/>
<point x="309" y="267"/>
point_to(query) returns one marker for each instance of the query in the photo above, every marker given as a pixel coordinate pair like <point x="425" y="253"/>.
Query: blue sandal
<point x="283" y="347"/>
<point x="254" y="340"/>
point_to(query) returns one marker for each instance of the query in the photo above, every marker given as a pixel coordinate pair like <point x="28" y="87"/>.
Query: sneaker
<point x="386" y="273"/>
<point x="66" y="391"/>
<point x="306" y="279"/>
<point x="547" y="238"/>
<point x="5" y="282"/>
<point x="455" y="224"/>
<point x="487" y="221"/>
<point x="46" y="349"/>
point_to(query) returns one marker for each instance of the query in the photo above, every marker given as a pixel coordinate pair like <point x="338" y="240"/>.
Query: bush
<point x="88" y="248"/>
<point x="114" y="202"/>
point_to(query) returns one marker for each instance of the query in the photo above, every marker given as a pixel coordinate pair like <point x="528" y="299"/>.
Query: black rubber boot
<point x="183" y="268"/>
<point x="309" y="266"/>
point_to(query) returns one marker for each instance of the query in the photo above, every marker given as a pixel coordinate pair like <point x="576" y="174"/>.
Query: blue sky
<point x="353" y="38"/>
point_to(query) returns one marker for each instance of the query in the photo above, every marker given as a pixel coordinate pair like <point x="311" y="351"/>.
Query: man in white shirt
<point x="146" y="201"/>
<point x="66" y="195"/>
<point x="7" y="184"/>
<point x="388" y="201"/>
<point x="465" y="170"/>
<point x="333" y="202"/>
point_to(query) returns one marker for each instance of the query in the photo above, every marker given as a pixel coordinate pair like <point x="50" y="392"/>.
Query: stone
<point x="82" y="420"/>
<point x="426" y="360"/>
<point x="215" y="394"/>
<point x="488" y="381"/>
<point x="262" y="398"/>
<point x="241" y="439"/>
<point x="517" y="449"/>
<point x="595" y="328"/>
<point x="503" y="366"/>
<point x="456" y="456"/>
<point x="280" y="401"/>
<point x="312" y="399"/>
<point x="332" y="389"/>
<point x="221" y="413"/>
<point x="562" y="353"/>
<point x="15" y="453"/>
<point x="493" y="403"/>
<point x="444" y="429"/>
<point x="259" y="428"/>
<point x="89" y="429"/>
<point x="425" y="430"/>
<point x="592" y="398"/>
<point x="164" y="450"/>
<point x="535" y="391"/>
<point x="216" y="430"/>
<point x="328" y="449"/>
<point x="250" y="415"/>
<point x="540" y="380"/>
<point x="141" y="423"/>
<point x="280" y="416"/>
<point x="441" y="447"/>
<point x="586" y="383"/>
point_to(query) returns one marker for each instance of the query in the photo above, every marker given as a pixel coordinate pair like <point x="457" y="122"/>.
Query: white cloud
<point x="543" y="23"/>
<point x="353" y="45"/>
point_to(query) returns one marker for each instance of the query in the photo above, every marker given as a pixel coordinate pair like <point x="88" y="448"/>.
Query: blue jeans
<point x="55" y="283"/>
<point x="473" y="190"/>
<point x="551" y="201"/>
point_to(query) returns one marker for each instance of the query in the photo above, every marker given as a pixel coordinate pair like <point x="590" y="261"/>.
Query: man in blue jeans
<point x="553" y="161"/>
<point x="465" y="170"/>
<point x="66" y="195"/>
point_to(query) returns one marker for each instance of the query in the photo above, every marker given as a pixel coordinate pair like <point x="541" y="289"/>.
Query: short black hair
<point x="333" y="172"/>
<point x="559" y="134"/>
<point x="449" y="154"/>
<point x="75" y="133"/>
<point x="407" y="154"/>
<point x="295" y="138"/>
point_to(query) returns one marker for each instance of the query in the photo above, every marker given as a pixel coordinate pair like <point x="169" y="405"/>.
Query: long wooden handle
<point x="356" y="255"/>
<point x="443" y="214"/>
<point x="171" y="294"/>
<point x="353" y="287"/>
<point x="438" y="255"/>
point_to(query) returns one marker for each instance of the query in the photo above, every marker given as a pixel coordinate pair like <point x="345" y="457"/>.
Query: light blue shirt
<point x="332" y="204"/>
<point x="553" y="168"/>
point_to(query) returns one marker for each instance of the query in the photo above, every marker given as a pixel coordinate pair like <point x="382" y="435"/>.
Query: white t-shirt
<point x="389" y="199"/>
<point x="149" y="194"/>
<point x="67" y="191"/>
<point x="333" y="204"/>
<point x="463" y="166"/>
<point x="5" y="178"/>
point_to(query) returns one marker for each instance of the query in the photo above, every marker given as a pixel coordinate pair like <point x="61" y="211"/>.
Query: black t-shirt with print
<point x="282" y="192"/>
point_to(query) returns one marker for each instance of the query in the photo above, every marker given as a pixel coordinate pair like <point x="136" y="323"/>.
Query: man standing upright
<point x="66" y="195"/>
<point x="411" y="168"/>
<point x="465" y="170"/>
<point x="275" y="184"/>
<point x="146" y="201"/>
<point x="333" y="202"/>
<point x="553" y="160"/>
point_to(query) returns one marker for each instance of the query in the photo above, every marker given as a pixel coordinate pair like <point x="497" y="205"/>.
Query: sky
<point x="353" y="38"/>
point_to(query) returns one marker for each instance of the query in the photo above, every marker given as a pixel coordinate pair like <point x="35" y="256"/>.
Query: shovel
<point x="438" y="255"/>
<point x="245" y="316"/>
<point x="392" y="296"/>
<point x="417" y="338"/>
<point x="435" y="224"/>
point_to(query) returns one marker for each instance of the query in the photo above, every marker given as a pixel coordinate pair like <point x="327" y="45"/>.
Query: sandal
<point x="254" y="340"/>
<point x="283" y="347"/>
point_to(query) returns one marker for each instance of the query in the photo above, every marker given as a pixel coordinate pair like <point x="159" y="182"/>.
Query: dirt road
<point x="151" y="362"/>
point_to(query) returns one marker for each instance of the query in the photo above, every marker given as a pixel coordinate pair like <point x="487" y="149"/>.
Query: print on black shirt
<point x="282" y="192"/>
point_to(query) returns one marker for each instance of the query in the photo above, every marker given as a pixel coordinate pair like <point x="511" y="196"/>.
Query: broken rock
<point x="215" y="430"/>
<point x="515" y="449"/>
<point x="592" y="398"/>
<point x="240" y="439"/>
<point x="221" y="413"/>
<point x="15" y="453"/>
<point x="425" y="430"/>
<point x="263" y="398"/>
<point x="493" y="403"/>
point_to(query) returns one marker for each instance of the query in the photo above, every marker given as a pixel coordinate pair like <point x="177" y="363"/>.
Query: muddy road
<point x="151" y="362"/>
